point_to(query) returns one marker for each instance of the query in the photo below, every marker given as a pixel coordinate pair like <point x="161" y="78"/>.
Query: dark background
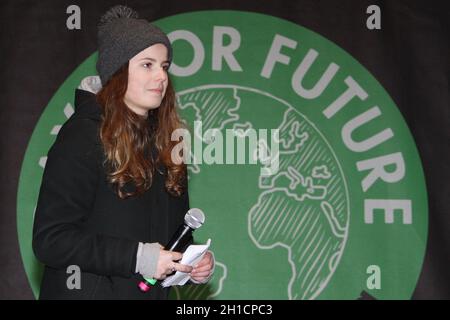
<point x="409" y="56"/>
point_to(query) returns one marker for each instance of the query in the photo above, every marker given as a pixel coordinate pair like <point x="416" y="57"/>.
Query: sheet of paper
<point x="193" y="254"/>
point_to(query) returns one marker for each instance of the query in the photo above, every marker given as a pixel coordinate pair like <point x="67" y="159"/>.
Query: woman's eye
<point x="166" y="67"/>
<point x="147" y="65"/>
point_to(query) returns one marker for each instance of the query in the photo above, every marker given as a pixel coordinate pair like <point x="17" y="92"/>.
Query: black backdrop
<point x="409" y="56"/>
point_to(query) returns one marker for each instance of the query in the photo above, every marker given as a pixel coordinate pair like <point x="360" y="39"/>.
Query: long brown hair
<point x="128" y="139"/>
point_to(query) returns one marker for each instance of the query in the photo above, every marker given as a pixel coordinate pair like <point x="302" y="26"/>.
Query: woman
<point x="111" y="193"/>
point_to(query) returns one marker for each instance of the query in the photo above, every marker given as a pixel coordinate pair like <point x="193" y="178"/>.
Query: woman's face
<point x="147" y="79"/>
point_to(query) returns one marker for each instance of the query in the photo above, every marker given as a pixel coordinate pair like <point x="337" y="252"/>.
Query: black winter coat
<point x="81" y="221"/>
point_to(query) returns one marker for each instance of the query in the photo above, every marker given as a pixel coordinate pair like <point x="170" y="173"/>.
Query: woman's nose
<point x="161" y="74"/>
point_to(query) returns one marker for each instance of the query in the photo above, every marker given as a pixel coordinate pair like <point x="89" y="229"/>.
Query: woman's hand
<point x="203" y="269"/>
<point x="167" y="265"/>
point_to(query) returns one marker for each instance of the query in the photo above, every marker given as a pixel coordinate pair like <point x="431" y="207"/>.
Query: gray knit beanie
<point x="121" y="36"/>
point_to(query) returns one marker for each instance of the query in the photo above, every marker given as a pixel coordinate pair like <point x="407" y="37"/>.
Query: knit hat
<point x="122" y="35"/>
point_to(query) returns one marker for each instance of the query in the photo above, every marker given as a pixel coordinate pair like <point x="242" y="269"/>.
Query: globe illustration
<point x="276" y="236"/>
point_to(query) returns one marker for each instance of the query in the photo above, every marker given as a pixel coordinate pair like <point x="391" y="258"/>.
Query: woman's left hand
<point x="203" y="269"/>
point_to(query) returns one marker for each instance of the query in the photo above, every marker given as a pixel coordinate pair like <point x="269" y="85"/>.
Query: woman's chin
<point x="151" y="104"/>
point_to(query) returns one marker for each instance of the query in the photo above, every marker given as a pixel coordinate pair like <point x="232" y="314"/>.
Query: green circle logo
<point x="343" y="211"/>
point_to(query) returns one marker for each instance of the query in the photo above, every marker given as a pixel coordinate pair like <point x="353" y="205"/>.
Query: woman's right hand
<point x="167" y="264"/>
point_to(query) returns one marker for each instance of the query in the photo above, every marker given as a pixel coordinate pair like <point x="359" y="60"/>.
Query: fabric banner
<point x="320" y="139"/>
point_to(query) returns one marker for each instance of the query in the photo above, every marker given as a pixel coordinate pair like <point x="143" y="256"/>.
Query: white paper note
<point x="193" y="254"/>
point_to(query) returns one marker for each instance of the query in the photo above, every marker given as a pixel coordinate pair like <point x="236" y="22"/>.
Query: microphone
<point x="193" y="220"/>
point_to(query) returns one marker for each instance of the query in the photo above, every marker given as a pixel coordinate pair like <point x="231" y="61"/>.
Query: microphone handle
<point x="178" y="242"/>
<point x="180" y="239"/>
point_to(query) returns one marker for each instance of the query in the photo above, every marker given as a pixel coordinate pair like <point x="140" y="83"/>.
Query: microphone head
<point x="194" y="218"/>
